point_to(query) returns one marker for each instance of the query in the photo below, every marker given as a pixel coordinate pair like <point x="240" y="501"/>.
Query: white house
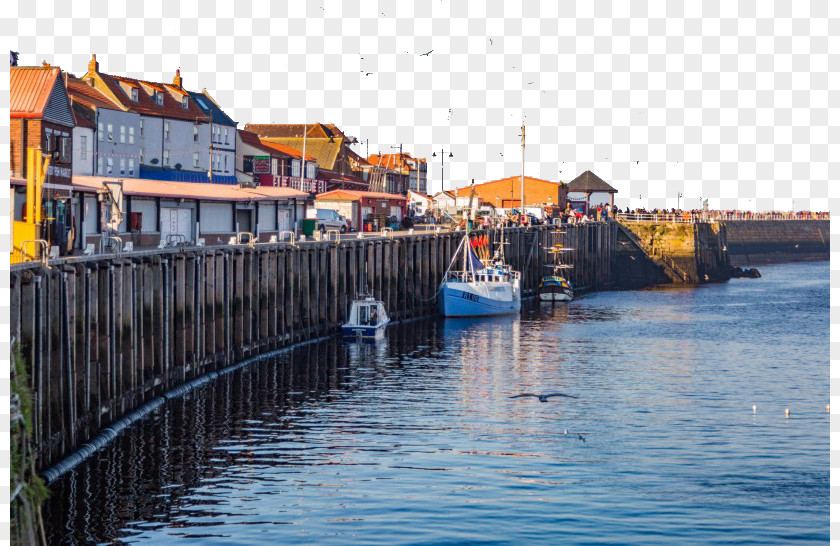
<point x="444" y="200"/>
<point x="419" y="202"/>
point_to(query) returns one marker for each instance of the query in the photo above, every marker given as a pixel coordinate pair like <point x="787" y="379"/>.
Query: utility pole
<point x="303" y="158"/>
<point x="441" y="166"/>
<point x="522" y="176"/>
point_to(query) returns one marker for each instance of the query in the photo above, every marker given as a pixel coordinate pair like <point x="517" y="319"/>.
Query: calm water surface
<point x="416" y="439"/>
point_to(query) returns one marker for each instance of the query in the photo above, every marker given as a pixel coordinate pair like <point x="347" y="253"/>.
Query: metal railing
<point x="23" y="256"/>
<point x="291" y="236"/>
<point x="333" y="232"/>
<point x="103" y="243"/>
<point x="717" y="216"/>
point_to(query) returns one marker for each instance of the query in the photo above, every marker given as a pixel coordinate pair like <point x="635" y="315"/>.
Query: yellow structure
<point x="26" y="235"/>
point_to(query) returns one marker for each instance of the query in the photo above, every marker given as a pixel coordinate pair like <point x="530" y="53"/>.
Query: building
<point x="444" y="201"/>
<point x="324" y="141"/>
<point x="592" y="189"/>
<point x="222" y="133"/>
<point x="41" y="117"/>
<point x="506" y="193"/>
<point x="263" y="163"/>
<point x="153" y="211"/>
<point x="402" y="173"/>
<point x="111" y="146"/>
<point x="363" y="206"/>
<point x="419" y="202"/>
<point x="174" y="133"/>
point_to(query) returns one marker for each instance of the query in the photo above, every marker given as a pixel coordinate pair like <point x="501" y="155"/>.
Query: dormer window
<point x="135" y="94"/>
<point x="185" y="102"/>
<point x="158" y="98"/>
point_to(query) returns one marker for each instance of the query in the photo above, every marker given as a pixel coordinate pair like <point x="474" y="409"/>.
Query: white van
<point x="330" y="219"/>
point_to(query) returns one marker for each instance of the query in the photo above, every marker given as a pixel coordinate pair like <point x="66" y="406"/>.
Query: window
<point x="226" y="136"/>
<point x="215" y="134"/>
<point x="311" y="169"/>
<point x="225" y="158"/>
<point x="159" y="98"/>
<point x="141" y="126"/>
<point x="295" y="167"/>
<point x="100" y="132"/>
<point x="99" y="165"/>
<point x="110" y="131"/>
<point x="131" y="135"/>
<point x="135" y="94"/>
<point x="248" y="163"/>
<point x="110" y="166"/>
<point x="122" y="134"/>
<point x="166" y="157"/>
<point x="130" y="167"/>
<point x="83" y="147"/>
<point x="141" y="155"/>
<point x="195" y="160"/>
<point x="185" y="102"/>
<point x="215" y="162"/>
<point x="165" y="130"/>
<point x="122" y="166"/>
<point x="195" y="133"/>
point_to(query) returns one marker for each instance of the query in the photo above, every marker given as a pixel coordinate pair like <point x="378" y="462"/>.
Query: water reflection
<point x="415" y="438"/>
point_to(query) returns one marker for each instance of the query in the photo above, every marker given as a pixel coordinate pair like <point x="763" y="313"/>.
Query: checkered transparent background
<point x="734" y="102"/>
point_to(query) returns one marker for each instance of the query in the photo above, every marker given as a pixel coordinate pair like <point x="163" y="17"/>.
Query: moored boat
<point x="367" y="319"/>
<point x="556" y="287"/>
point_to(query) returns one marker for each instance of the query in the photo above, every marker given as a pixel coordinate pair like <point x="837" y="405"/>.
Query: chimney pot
<point x="93" y="65"/>
<point x="178" y="80"/>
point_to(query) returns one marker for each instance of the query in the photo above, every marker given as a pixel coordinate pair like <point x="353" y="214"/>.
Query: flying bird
<point x="368" y="73"/>
<point x="637" y="162"/>
<point x="581" y="437"/>
<point x="530" y="83"/>
<point x="491" y="41"/>
<point x="542" y="397"/>
<point x="426" y="54"/>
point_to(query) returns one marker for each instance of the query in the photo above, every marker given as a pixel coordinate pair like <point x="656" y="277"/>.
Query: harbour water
<point x="416" y="438"/>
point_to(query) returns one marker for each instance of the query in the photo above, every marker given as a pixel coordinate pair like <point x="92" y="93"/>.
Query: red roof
<point x="252" y="139"/>
<point x="509" y="179"/>
<point x="82" y="92"/>
<point x="188" y="190"/>
<point x="82" y="116"/>
<point x="146" y="105"/>
<point x="30" y="89"/>
<point x="352" y="195"/>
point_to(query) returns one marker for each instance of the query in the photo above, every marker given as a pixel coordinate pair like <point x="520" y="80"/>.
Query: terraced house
<point x="180" y="137"/>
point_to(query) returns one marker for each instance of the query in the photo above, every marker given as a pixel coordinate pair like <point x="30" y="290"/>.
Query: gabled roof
<point x="590" y="182"/>
<point x="30" y="89"/>
<point x="287" y="150"/>
<point x="146" y="105"/>
<point x="324" y="141"/>
<point x="446" y="193"/>
<point x="83" y="116"/>
<point x="253" y="140"/>
<point x="420" y="195"/>
<point x="82" y="92"/>
<point x="210" y="107"/>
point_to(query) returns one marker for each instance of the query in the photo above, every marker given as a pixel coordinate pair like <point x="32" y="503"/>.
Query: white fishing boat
<point x="367" y="319"/>
<point x="483" y="286"/>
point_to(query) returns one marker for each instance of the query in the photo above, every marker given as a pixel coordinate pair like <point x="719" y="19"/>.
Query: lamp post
<point x="441" y="166"/>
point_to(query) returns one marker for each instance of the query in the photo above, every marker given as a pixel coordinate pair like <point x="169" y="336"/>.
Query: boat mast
<point x="467" y="248"/>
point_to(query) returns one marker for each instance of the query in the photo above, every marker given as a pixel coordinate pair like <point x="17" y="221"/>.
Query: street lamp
<point x="441" y="165"/>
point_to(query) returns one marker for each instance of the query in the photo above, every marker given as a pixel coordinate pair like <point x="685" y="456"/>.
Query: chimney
<point x="93" y="66"/>
<point x="177" y="80"/>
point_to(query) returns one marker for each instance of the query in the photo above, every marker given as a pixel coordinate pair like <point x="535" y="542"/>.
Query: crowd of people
<point x="704" y="215"/>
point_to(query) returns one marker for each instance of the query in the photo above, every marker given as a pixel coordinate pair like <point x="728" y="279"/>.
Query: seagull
<point x="542" y="397"/>
<point x="581" y="437"/>
<point x="530" y="83"/>
<point x="754" y="408"/>
<point x="368" y="73"/>
<point x="637" y="162"/>
<point x="565" y="432"/>
<point x="491" y="41"/>
<point x="426" y="54"/>
<point x="787" y="413"/>
<point x="796" y="245"/>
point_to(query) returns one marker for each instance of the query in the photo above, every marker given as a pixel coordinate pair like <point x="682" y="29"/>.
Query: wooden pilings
<point x="102" y="335"/>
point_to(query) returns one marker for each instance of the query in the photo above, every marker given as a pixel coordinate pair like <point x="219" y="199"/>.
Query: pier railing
<point x="717" y="216"/>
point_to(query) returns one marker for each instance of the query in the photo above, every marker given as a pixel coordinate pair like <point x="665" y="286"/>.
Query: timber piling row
<point x="103" y="335"/>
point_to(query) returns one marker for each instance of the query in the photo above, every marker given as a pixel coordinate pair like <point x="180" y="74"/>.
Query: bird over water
<point x="542" y="397"/>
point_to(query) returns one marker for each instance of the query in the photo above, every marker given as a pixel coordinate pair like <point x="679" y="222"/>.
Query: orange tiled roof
<point x="30" y="88"/>
<point x="509" y="179"/>
<point x="288" y="150"/>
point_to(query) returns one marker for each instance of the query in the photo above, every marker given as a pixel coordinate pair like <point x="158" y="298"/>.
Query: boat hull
<point x="465" y="299"/>
<point x="367" y="332"/>
<point x="555" y="295"/>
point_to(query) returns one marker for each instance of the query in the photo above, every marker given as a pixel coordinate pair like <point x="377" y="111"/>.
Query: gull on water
<point x="787" y="413"/>
<point x="754" y="407"/>
<point x="542" y="397"/>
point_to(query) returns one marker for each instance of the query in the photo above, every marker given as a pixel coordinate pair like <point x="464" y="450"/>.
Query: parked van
<point x="330" y="219"/>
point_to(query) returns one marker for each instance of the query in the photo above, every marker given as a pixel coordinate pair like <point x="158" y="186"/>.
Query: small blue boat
<point x="367" y="319"/>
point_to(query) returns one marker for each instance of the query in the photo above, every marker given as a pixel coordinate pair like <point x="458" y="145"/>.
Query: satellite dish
<point x="177" y="166"/>
<point x="154" y="161"/>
